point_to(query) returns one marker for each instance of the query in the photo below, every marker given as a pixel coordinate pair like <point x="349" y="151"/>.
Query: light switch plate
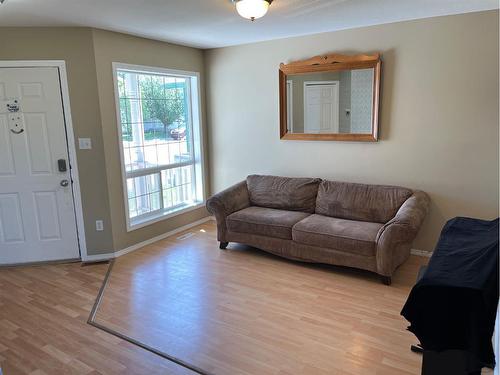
<point x="85" y="143"/>
<point x="99" y="225"/>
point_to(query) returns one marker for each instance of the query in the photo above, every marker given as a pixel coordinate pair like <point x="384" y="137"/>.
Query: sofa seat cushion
<point x="265" y="221"/>
<point x="339" y="234"/>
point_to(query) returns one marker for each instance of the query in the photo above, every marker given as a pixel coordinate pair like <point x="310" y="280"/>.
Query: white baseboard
<point x="98" y="257"/>
<point x="119" y="253"/>
<point x="421" y="253"/>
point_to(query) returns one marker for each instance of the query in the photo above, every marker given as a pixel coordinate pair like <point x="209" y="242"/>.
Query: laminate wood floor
<point x="43" y="329"/>
<point x="242" y="311"/>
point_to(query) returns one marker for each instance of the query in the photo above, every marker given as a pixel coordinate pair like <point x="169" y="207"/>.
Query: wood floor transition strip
<point x="91" y="321"/>
<point x="98" y="299"/>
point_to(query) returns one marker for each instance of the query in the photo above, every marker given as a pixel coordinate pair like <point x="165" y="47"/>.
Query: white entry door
<point x="321" y="107"/>
<point x="37" y="216"/>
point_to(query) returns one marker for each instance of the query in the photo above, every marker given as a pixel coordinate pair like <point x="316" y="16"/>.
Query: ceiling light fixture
<point x="252" y="9"/>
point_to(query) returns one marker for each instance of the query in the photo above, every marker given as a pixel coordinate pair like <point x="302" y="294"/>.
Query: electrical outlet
<point x="99" y="225"/>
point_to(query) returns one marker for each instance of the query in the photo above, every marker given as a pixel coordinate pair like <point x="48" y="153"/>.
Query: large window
<point x="159" y="130"/>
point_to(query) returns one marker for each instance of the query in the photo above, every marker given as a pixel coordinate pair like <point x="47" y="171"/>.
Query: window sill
<point x="142" y="222"/>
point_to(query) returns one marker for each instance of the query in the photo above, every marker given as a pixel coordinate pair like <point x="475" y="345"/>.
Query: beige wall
<point x="439" y="114"/>
<point x="439" y="126"/>
<point x="88" y="54"/>
<point x="74" y="45"/>
<point x="112" y="47"/>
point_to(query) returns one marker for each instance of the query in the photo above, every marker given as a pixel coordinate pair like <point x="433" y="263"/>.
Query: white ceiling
<point x="215" y="23"/>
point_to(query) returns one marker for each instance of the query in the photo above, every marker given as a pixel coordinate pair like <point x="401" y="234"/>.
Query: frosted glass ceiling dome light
<point x="252" y="9"/>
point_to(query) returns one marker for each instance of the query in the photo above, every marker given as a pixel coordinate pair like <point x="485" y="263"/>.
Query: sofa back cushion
<point x="375" y="203"/>
<point x="294" y="194"/>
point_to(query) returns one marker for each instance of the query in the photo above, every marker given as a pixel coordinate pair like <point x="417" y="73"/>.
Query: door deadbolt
<point x="61" y="165"/>
<point x="64" y="183"/>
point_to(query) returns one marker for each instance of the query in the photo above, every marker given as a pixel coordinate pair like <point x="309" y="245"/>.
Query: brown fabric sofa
<point x="371" y="227"/>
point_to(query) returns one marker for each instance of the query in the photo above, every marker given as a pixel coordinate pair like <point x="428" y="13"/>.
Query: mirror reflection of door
<point x="321" y="107"/>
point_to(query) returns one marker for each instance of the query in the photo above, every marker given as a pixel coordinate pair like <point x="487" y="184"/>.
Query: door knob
<point x="64" y="183"/>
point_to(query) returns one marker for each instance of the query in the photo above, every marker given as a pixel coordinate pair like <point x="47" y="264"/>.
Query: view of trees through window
<point x="162" y="101"/>
<point x="155" y="117"/>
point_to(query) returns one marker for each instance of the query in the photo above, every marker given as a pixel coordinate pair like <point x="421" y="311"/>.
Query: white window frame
<point x="197" y="138"/>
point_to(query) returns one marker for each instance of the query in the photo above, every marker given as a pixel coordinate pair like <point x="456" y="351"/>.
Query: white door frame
<point x="70" y="138"/>
<point x="319" y="83"/>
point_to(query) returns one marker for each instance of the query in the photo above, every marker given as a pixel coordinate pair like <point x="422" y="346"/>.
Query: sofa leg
<point x="223" y="245"/>
<point x="387" y="280"/>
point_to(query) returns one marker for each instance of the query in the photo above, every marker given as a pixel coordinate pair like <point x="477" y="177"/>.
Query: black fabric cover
<point x="453" y="306"/>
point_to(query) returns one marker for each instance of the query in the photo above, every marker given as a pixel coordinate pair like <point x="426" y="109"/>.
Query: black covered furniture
<point x="452" y="308"/>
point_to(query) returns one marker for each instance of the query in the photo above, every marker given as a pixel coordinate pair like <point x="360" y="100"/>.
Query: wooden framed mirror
<point x="330" y="98"/>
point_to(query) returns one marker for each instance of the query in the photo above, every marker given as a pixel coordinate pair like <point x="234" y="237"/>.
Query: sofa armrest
<point x="223" y="204"/>
<point x="395" y="238"/>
